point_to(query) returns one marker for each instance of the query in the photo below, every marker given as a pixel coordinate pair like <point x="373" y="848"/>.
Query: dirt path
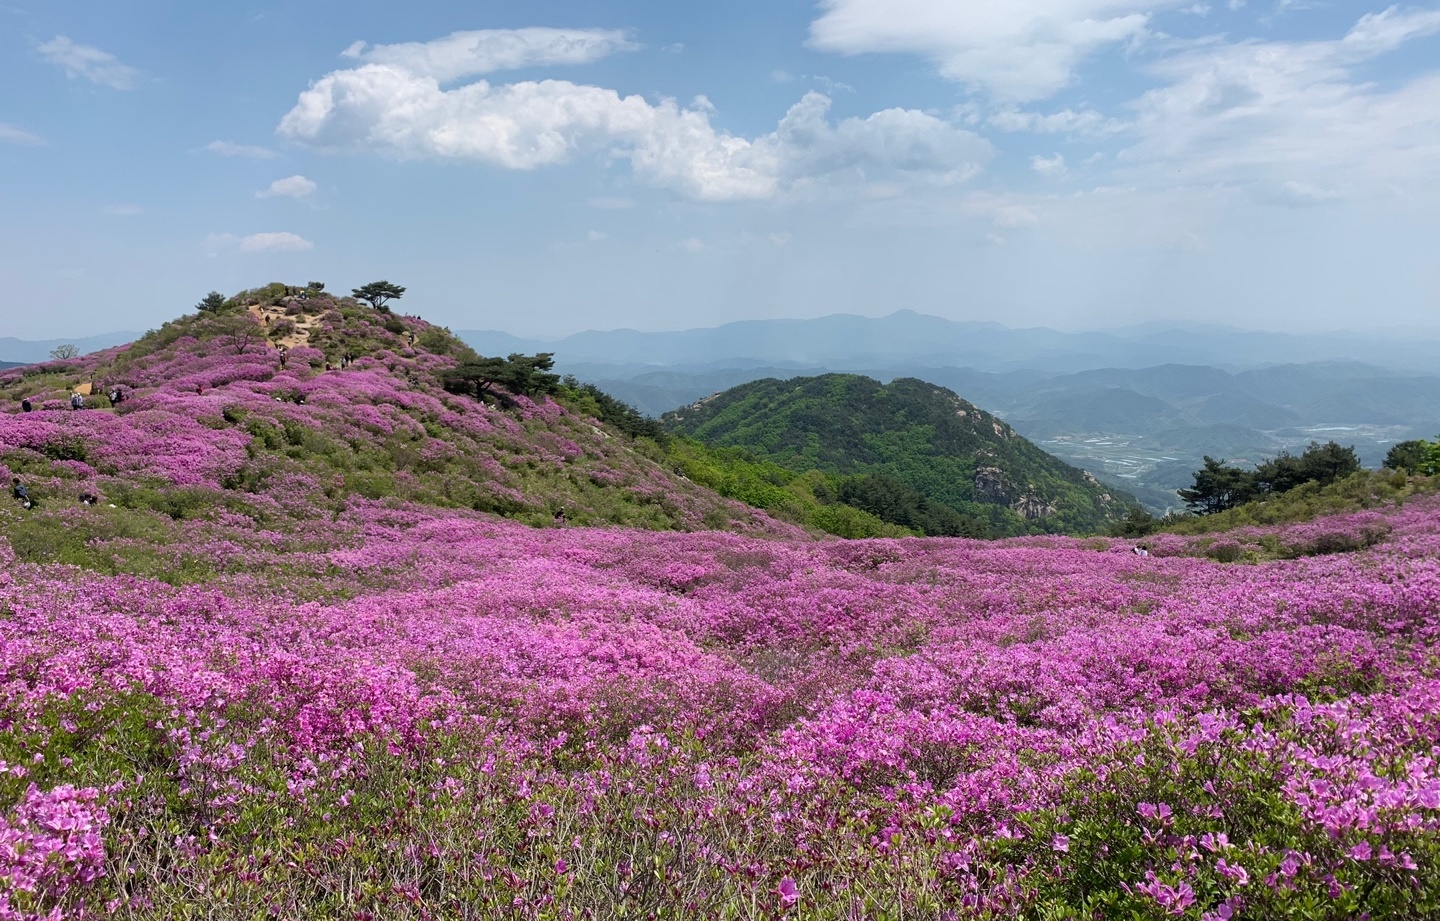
<point x="268" y="316"/>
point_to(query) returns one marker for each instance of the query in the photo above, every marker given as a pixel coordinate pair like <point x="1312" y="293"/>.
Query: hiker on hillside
<point x="77" y="401"/>
<point x="199" y="390"/>
<point x="18" y="490"/>
<point x="1140" y="550"/>
<point x="117" y="396"/>
<point x="88" y="498"/>
<point x="26" y="406"/>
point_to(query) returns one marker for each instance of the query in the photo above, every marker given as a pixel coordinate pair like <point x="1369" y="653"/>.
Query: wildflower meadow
<point x="284" y="678"/>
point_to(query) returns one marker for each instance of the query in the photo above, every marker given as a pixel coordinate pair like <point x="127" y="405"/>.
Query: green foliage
<point x="1420" y="457"/>
<point x="954" y="455"/>
<point x="589" y="400"/>
<point x="1219" y="487"/>
<point x="522" y="375"/>
<point x="809" y="500"/>
<point x="378" y="293"/>
<point x="1187" y="820"/>
<point x="891" y="500"/>
<point x="211" y="303"/>
<point x="1362" y="490"/>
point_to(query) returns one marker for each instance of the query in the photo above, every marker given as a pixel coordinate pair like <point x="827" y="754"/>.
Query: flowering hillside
<point x="208" y="404"/>
<point x="259" y="692"/>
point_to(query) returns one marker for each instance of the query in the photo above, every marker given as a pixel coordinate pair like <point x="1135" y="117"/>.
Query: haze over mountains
<point x="934" y="341"/>
<point x="1138" y="406"/>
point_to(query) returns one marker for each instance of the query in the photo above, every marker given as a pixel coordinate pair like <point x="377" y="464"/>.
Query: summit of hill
<point x="295" y="405"/>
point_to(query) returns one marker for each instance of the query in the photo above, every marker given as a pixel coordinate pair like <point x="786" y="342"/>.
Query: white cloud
<point x="1281" y="112"/>
<point x="1197" y="9"/>
<point x="275" y="242"/>
<point x="1066" y="121"/>
<point x="1017" y="49"/>
<point x="355" y="49"/>
<point x="691" y="245"/>
<point x="780" y="239"/>
<point x="469" y="54"/>
<point x="231" y="149"/>
<point x="1301" y="195"/>
<point x="289" y="187"/>
<point x="1007" y="213"/>
<point x="1048" y="166"/>
<point x="391" y="109"/>
<point x="1377" y="33"/>
<point x="781" y="76"/>
<point x="14" y="134"/>
<point x="88" y="62"/>
<point x="597" y="236"/>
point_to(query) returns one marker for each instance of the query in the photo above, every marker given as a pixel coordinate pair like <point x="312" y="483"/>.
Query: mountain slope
<point x="214" y="424"/>
<point x="922" y="435"/>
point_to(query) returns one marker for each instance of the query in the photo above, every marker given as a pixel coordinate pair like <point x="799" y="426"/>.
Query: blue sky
<point x="548" y="167"/>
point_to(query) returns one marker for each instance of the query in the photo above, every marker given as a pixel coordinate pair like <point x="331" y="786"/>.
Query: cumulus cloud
<point x="470" y="54"/>
<point x="1018" y="49"/>
<point x="274" y="242"/>
<point x="1066" y="121"/>
<point x="289" y="187"/>
<point x="14" y="134"/>
<point x="89" y="63"/>
<point x="394" y="104"/>
<point x="1048" y="166"/>
<point x="231" y="149"/>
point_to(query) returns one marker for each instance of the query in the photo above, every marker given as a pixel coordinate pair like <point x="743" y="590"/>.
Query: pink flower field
<point x="384" y="706"/>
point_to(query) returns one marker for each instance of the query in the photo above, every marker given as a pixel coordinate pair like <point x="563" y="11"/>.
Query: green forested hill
<point x="907" y="432"/>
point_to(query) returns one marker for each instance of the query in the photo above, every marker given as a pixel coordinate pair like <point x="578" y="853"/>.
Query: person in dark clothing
<point x="88" y="498"/>
<point x="77" y="401"/>
<point x="25" y="405"/>
<point x="18" y="490"/>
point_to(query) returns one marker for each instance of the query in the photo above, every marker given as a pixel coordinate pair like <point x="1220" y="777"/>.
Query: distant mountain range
<point x="927" y="341"/>
<point x="1138" y="406"/>
<point x="30" y="351"/>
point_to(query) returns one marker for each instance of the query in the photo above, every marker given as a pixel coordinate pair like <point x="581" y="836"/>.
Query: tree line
<point x="1219" y="486"/>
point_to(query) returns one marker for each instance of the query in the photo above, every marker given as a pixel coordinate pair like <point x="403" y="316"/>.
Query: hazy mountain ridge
<point x="1143" y="429"/>
<point x="30" y="351"/>
<point x="923" y="340"/>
